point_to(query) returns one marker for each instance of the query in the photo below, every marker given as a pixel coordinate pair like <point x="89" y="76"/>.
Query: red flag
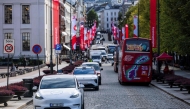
<point x="56" y="37"/>
<point x="82" y="37"/>
<point x="88" y="36"/>
<point x="153" y="22"/>
<point x="126" y="31"/>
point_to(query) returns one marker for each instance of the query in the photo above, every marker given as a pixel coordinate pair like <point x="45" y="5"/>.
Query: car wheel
<point x="82" y="107"/>
<point x="97" y="88"/>
<point x="100" y="83"/>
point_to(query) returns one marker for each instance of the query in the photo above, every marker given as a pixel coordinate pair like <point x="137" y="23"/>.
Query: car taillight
<point x="98" y="73"/>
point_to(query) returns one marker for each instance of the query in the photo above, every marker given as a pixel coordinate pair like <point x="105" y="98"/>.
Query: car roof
<point x="83" y="67"/>
<point x="58" y="76"/>
<point x="89" y="63"/>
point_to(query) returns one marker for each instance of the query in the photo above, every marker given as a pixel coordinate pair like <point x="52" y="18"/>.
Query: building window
<point x="111" y="13"/>
<point x="25" y="41"/>
<point x="107" y="25"/>
<point x="115" y="19"/>
<point x="8" y="14"/>
<point x="115" y="13"/>
<point x="25" y="14"/>
<point x="111" y="19"/>
<point x="8" y="35"/>
<point x="107" y="18"/>
<point x="107" y="14"/>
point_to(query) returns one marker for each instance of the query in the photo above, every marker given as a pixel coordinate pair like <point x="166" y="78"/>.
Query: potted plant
<point x="48" y="72"/>
<point x="18" y="90"/>
<point x="186" y="84"/>
<point x="5" y="95"/>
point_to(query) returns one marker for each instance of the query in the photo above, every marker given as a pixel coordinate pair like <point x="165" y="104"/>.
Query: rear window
<point x="137" y="45"/>
<point x="82" y="71"/>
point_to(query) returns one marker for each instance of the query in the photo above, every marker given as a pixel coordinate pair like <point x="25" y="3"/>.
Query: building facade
<point x="29" y="22"/>
<point x="109" y="15"/>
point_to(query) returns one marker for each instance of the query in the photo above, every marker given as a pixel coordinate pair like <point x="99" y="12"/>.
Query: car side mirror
<point x="101" y="68"/>
<point x="81" y="85"/>
<point x="35" y="88"/>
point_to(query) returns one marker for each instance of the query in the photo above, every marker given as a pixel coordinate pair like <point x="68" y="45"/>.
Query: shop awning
<point x="66" y="47"/>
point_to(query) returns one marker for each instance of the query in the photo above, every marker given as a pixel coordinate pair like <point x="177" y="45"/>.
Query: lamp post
<point x="51" y="62"/>
<point x="70" y="35"/>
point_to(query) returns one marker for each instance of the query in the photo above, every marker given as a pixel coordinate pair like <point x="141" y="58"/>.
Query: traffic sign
<point x="8" y="46"/>
<point x="37" y="49"/>
<point x="58" y="47"/>
<point x="57" y="51"/>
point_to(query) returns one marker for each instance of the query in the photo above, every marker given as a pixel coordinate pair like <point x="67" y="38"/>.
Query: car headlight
<point x="75" y="95"/>
<point x="38" y="96"/>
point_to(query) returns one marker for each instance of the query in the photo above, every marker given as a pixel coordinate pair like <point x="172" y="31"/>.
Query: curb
<point x="27" y="103"/>
<point x="170" y="94"/>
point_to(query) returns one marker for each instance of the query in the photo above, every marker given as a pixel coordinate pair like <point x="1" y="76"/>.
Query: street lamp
<point x="70" y="35"/>
<point x="51" y="62"/>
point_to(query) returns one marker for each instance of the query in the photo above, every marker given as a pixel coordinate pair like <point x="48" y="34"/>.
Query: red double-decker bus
<point x="134" y="62"/>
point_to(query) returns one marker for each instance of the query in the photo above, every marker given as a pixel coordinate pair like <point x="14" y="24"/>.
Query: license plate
<point x="56" y="104"/>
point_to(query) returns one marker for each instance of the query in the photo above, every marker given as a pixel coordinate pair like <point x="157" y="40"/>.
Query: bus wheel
<point x="121" y="83"/>
<point x="147" y="84"/>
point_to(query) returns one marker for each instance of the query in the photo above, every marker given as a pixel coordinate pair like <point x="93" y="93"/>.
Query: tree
<point x="92" y="16"/>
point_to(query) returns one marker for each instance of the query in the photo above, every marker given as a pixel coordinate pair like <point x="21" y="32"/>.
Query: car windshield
<point x="111" y="49"/>
<point x="54" y="83"/>
<point x="96" y="66"/>
<point x="103" y="53"/>
<point x="95" y="57"/>
<point x="82" y="71"/>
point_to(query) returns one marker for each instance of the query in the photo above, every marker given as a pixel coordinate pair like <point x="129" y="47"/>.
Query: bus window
<point x="137" y="45"/>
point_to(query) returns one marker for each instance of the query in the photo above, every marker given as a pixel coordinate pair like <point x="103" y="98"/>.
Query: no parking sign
<point x="8" y="46"/>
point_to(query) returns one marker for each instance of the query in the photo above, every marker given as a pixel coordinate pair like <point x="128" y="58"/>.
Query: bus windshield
<point x="137" y="45"/>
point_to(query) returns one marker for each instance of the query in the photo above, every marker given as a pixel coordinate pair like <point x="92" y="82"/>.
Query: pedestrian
<point x="13" y="68"/>
<point x="16" y="66"/>
<point x="24" y="62"/>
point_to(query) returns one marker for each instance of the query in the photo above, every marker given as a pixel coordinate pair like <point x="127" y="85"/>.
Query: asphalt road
<point x="112" y="95"/>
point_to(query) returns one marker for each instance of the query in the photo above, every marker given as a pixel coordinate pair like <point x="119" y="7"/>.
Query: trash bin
<point x="28" y="83"/>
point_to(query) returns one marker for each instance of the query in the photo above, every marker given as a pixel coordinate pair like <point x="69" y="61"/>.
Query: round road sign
<point x="37" y="49"/>
<point x="8" y="48"/>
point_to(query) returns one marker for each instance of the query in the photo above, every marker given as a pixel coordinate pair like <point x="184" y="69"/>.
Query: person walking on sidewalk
<point x="13" y="68"/>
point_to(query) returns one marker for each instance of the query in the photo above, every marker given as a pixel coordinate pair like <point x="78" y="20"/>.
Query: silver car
<point x="97" y="69"/>
<point x="86" y="76"/>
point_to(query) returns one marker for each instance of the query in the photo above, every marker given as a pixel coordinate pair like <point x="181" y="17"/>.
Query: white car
<point x="97" y="69"/>
<point x="59" y="91"/>
<point x="87" y="76"/>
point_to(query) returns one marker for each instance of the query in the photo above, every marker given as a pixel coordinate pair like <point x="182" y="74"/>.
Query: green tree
<point x="92" y="16"/>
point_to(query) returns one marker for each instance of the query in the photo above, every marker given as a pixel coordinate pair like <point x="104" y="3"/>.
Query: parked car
<point x="87" y="76"/>
<point x="97" y="69"/>
<point x="61" y="91"/>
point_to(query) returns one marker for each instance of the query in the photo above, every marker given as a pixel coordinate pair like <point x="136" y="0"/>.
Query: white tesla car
<point x="59" y="92"/>
<point x="97" y="69"/>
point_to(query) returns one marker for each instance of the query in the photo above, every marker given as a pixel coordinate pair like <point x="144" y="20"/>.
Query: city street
<point x="114" y="96"/>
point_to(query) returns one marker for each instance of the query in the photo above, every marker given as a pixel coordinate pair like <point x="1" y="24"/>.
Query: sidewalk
<point x="175" y="90"/>
<point x="14" y="103"/>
